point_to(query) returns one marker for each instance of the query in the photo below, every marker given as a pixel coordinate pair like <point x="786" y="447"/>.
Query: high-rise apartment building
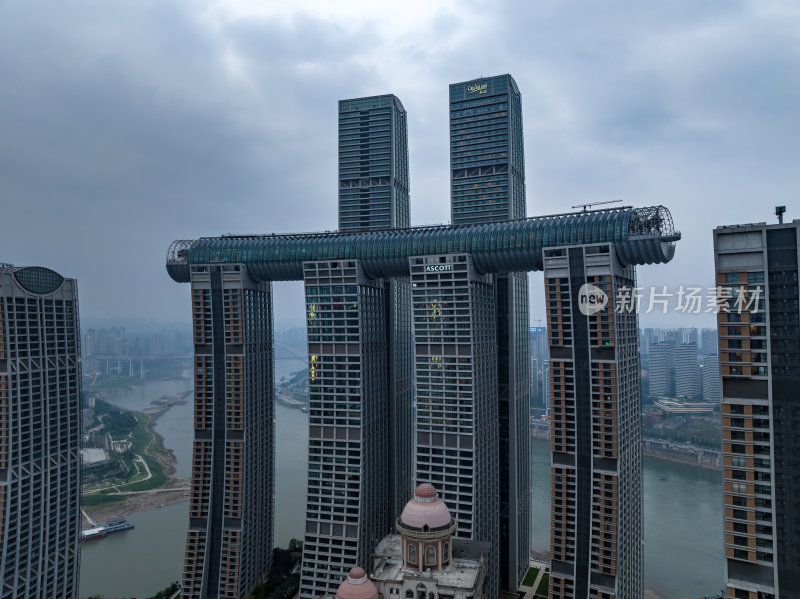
<point x="374" y="194"/>
<point x="538" y="357"/>
<point x="229" y="541"/>
<point x="646" y="338"/>
<point x="688" y="336"/>
<point x="346" y="511"/>
<point x="456" y="374"/>
<point x="687" y="370"/>
<point x="659" y="369"/>
<point x="711" y="386"/>
<point x="595" y="426"/>
<point x="759" y="356"/>
<point x="538" y="349"/>
<point x="708" y="341"/>
<point x="40" y="433"/>
<point x="487" y="184"/>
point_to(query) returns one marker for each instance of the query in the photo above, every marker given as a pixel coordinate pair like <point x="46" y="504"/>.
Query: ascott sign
<point x="438" y="267"/>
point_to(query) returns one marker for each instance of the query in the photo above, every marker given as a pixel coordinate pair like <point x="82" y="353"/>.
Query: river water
<point x="682" y="513"/>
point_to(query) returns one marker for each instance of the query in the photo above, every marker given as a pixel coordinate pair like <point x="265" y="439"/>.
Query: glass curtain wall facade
<point x="374" y="195"/>
<point x="40" y="434"/>
<point x="759" y="358"/>
<point x="487" y="184"/>
<point x="641" y="236"/>
<point x="346" y="514"/>
<point x="595" y="428"/>
<point x="373" y="164"/>
<point x="229" y="541"/>
<point x="456" y="374"/>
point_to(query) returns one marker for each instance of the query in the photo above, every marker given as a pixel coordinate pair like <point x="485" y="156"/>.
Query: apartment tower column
<point x="374" y="195"/>
<point x="487" y="184"/>
<point x="759" y="360"/>
<point x="40" y="434"/>
<point x="595" y="426"/>
<point x="229" y="542"/>
<point x="456" y="373"/>
<point x="348" y="444"/>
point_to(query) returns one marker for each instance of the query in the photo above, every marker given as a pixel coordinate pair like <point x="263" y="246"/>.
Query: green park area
<point x="541" y="590"/>
<point x="530" y="577"/>
<point x="137" y="463"/>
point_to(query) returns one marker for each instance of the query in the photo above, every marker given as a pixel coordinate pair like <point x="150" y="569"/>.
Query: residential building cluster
<point x="117" y="342"/>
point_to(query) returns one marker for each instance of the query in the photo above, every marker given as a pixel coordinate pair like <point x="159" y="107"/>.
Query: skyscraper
<point x="538" y="357"/>
<point x="708" y="341"/>
<point x="373" y="164"/>
<point x="346" y="511"/>
<point x="687" y="370"/>
<point x="759" y="355"/>
<point x="373" y="194"/>
<point x="595" y="426"/>
<point x="659" y="369"/>
<point x="456" y="372"/>
<point x="40" y="432"/>
<point x="487" y="184"/>
<point x="229" y="542"/>
<point x="711" y="386"/>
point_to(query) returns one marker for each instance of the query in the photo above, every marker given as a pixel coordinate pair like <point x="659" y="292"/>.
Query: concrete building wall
<point x="40" y="432"/>
<point x="759" y="356"/>
<point x="595" y="430"/>
<point x="231" y="511"/>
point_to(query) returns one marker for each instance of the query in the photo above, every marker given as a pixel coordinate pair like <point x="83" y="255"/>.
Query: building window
<point x="430" y="556"/>
<point x="446" y="551"/>
<point x="412" y="554"/>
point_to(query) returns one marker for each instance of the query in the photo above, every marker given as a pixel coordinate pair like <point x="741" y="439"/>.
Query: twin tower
<point x="419" y="367"/>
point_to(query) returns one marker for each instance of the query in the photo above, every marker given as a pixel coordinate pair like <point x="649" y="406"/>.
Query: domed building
<point x="357" y="586"/>
<point x="424" y="560"/>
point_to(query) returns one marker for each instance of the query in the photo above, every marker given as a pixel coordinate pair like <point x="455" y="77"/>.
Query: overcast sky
<point x="125" y="125"/>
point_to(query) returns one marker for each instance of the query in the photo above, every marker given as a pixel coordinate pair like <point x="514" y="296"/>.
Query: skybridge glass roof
<point x="641" y="236"/>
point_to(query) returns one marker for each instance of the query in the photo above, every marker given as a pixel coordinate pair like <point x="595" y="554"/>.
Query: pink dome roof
<point x="426" y="509"/>
<point x="357" y="586"/>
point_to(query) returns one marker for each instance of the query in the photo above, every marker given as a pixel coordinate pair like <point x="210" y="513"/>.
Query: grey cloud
<point x="123" y="127"/>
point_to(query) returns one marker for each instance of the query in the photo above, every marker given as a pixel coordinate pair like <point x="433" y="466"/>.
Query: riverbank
<point x="683" y="453"/>
<point x="167" y="487"/>
<point x="668" y="451"/>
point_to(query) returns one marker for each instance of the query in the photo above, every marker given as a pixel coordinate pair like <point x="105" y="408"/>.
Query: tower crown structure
<point x="357" y="586"/>
<point x="426" y="529"/>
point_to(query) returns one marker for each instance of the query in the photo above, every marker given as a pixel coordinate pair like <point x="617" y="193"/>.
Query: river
<point x="682" y="514"/>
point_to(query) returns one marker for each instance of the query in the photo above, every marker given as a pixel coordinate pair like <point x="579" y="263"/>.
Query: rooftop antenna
<point x="779" y="210"/>
<point x="587" y="206"/>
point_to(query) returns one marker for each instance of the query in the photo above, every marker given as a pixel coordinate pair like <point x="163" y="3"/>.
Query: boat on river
<point x="102" y="530"/>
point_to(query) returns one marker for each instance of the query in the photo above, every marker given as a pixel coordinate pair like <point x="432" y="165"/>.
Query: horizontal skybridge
<point x="641" y="235"/>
